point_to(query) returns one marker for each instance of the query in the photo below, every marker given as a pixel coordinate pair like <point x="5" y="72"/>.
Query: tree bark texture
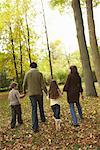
<point x="14" y="58"/>
<point x="28" y="39"/>
<point x="93" y="40"/>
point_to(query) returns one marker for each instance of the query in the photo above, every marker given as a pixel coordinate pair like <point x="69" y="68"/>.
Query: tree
<point x="90" y="88"/>
<point x="28" y="38"/>
<point x="13" y="52"/>
<point x="93" y="41"/>
<point x="48" y="46"/>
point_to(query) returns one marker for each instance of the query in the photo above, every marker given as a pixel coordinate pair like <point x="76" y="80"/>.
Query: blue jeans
<point x="73" y="113"/>
<point x="56" y="110"/>
<point x="34" y="100"/>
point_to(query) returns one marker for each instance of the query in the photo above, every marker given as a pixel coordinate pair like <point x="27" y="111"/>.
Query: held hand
<point x="47" y="97"/>
<point x="82" y="97"/>
<point x="22" y="95"/>
<point x="62" y="93"/>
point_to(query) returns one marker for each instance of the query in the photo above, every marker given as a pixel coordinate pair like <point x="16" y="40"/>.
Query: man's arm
<point x="43" y="84"/>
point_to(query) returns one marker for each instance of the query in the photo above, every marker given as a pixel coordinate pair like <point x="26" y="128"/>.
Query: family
<point x="34" y="84"/>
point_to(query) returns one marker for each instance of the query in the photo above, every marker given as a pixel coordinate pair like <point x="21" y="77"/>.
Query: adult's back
<point x="73" y="87"/>
<point x="34" y="83"/>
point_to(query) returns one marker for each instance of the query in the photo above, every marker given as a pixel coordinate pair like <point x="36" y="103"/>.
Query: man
<point x="34" y="83"/>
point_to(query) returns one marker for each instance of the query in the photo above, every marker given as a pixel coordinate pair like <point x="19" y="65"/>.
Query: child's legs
<point x="56" y="110"/>
<point x="73" y="114"/>
<point x="79" y="109"/>
<point x="19" y="113"/>
<point x="13" y="113"/>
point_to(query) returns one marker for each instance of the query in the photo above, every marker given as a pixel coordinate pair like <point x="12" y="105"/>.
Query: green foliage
<point x="60" y="76"/>
<point x="13" y="14"/>
<point x="4" y="89"/>
<point x="95" y="2"/>
<point x="61" y="5"/>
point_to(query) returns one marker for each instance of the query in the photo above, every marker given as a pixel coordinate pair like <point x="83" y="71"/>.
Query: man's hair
<point x="33" y="65"/>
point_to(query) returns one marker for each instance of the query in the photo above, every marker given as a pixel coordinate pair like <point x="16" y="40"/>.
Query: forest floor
<point x="84" y="137"/>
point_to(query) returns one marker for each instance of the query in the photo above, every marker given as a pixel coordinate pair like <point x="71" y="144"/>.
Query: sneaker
<point x="35" y="130"/>
<point x="76" y="125"/>
<point x="19" y="124"/>
<point x="12" y="127"/>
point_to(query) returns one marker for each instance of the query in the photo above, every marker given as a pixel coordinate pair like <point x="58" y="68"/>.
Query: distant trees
<point x="17" y="37"/>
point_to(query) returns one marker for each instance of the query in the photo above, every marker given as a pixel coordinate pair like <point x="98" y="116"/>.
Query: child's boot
<point x="57" y="123"/>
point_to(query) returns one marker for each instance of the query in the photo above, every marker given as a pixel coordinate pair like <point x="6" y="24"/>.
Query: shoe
<point x="76" y="125"/>
<point x="58" y="124"/>
<point x="35" y="130"/>
<point x="43" y="121"/>
<point x="12" y="127"/>
<point x="82" y="118"/>
<point x="19" y="124"/>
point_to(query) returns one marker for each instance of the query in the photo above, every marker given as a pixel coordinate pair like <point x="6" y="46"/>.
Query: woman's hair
<point x="73" y="69"/>
<point x="53" y="91"/>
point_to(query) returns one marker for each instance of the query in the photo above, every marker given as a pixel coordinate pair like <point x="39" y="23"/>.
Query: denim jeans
<point x="16" y="111"/>
<point x="73" y="113"/>
<point x="34" y="100"/>
<point x="56" y="110"/>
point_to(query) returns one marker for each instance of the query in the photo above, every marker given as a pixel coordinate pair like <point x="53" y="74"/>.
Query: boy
<point x="14" y="97"/>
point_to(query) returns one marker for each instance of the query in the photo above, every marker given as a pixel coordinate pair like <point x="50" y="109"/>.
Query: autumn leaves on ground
<point x="85" y="137"/>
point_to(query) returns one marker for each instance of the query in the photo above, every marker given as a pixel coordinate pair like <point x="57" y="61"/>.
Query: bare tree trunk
<point x="28" y="39"/>
<point x="93" y="40"/>
<point x="14" y="57"/>
<point x="48" y="47"/>
<point x="21" y="66"/>
<point x="21" y="58"/>
<point x="90" y="88"/>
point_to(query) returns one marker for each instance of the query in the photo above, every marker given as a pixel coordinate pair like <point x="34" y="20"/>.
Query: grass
<point x="85" y="137"/>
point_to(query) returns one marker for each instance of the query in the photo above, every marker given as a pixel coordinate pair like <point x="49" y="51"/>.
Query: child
<point x="14" y="97"/>
<point x="54" y="94"/>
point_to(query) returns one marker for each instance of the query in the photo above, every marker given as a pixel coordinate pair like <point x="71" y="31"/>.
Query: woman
<point x="73" y="87"/>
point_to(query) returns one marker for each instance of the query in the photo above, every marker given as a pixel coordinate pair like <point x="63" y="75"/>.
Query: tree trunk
<point x="93" y="41"/>
<point x="90" y="88"/>
<point x="48" y="47"/>
<point x="21" y="66"/>
<point x="28" y="39"/>
<point x="14" y="58"/>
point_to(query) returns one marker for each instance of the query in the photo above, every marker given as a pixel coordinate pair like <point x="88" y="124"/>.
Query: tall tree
<point x="90" y="88"/>
<point x="28" y="38"/>
<point x="13" y="52"/>
<point x="93" y="40"/>
<point x="48" y="46"/>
